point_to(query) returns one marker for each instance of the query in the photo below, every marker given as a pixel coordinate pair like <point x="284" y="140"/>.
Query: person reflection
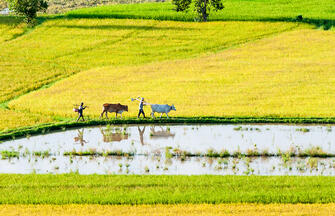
<point x="141" y="133"/>
<point x="80" y="137"/>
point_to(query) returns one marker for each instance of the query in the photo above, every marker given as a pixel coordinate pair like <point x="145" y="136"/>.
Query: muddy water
<point x="150" y="144"/>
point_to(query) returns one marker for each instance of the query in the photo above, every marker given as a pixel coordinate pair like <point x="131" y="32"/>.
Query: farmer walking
<point x="140" y="106"/>
<point x="80" y="111"/>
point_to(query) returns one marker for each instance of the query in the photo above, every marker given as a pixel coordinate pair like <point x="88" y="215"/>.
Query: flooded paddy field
<point x="176" y="150"/>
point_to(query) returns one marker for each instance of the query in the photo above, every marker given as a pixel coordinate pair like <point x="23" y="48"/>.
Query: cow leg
<point x="167" y="115"/>
<point x="102" y="114"/>
<point x="115" y="114"/>
<point x="106" y="115"/>
<point x="153" y="115"/>
<point x="121" y="115"/>
<point x="161" y="115"/>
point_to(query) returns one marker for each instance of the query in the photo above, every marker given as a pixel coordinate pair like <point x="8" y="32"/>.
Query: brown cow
<point x="117" y="108"/>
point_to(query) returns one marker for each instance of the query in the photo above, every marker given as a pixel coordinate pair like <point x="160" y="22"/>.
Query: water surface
<point x="150" y="145"/>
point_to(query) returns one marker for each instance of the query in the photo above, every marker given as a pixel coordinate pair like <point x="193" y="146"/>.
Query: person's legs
<point x="79" y="116"/>
<point x="140" y="112"/>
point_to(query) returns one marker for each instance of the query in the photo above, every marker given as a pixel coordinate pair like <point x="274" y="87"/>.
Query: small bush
<point x="181" y="5"/>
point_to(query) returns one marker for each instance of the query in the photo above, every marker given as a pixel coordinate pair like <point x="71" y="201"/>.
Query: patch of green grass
<point x="8" y="154"/>
<point x="104" y="189"/>
<point x="41" y="154"/>
<point x="169" y="153"/>
<point x="240" y="128"/>
<point x="312" y="11"/>
<point x="95" y="153"/>
<point x="311" y="152"/>
<point x="305" y="130"/>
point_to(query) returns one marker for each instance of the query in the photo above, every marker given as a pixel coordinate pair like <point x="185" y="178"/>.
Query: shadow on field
<point x="326" y="24"/>
<point x="130" y="16"/>
<point x="121" y="27"/>
<point x="15" y="20"/>
<point x="10" y="20"/>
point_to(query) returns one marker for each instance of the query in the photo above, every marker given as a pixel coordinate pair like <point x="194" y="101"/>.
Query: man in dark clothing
<point x="80" y="111"/>
<point x="140" y="107"/>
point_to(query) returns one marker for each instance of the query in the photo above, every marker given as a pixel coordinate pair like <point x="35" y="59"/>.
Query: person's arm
<point x="138" y="98"/>
<point x="144" y="103"/>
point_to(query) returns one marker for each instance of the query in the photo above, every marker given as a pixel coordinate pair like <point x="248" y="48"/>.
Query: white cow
<point x="160" y="108"/>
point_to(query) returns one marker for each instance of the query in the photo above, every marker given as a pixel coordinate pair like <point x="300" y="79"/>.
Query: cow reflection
<point x="80" y="138"/>
<point x="117" y="136"/>
<point x="162" y="133"/>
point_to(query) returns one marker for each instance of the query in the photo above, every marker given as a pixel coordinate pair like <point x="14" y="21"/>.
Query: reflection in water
<point x="141" y="133"/>
<point x="220" y="139"/>
<point x="117" y="136"/>
<point x="156" y="152"/>
<point x="80" y="137"/>
<point x="162" y="133"/>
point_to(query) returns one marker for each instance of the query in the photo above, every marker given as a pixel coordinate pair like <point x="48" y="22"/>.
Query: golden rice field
<point x="291" y="74"/>
<point x="186" y="209"/>
<point x="9" y="29"/>
<point x="61" y="47"/>
<point x="12" y="119"/>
